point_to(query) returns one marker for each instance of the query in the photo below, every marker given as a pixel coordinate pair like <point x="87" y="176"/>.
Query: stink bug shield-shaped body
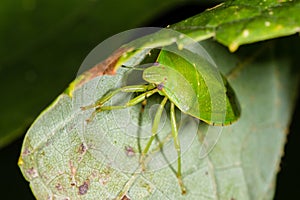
<point x="195" y="86"/>
<point x="191" y="82"/>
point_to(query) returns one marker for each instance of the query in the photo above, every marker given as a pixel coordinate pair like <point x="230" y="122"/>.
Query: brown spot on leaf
<point x="73" y="172"/>
<point x="125" y="197"/>
<point x="82" y="148"/>
<point x="129" y="151"/>
<point x="26" y="152"/>
<point x="32" y="172"/>
<point x="59" y="186"/>
<point x="105" y="67"/>
<point x="83" y="188"/>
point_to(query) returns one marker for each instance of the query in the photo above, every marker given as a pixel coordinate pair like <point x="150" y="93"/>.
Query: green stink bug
<point x="189" y="82"/>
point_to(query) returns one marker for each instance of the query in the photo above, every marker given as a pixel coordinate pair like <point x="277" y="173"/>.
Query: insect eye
<point x="160" y="86"/>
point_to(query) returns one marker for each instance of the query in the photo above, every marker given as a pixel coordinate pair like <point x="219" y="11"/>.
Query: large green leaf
<point x="43" y="44"/>
<point x="237" y="22"/>
<point x="247" y="24"/>
<point x="64" y="157"/>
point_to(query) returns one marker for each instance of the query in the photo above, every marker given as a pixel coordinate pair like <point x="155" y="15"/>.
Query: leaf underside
<point x="63" y="157"/>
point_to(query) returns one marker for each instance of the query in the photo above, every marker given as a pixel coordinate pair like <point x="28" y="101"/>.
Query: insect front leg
<point x="99" y="103"/>
<point x="130" y="103"/>
<point x="107" y="97"/>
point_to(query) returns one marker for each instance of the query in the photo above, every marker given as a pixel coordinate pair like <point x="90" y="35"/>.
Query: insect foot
<point x="182" y="187"/>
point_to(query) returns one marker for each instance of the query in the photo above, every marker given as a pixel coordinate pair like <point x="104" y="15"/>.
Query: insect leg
<point x="132" y="102"/>
<point x="177" y="147"/>
<point x="107" y="97"/>
<point x="155" y="124"/>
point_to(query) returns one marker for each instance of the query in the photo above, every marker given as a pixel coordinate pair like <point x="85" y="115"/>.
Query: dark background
<point x="14" y="186"/>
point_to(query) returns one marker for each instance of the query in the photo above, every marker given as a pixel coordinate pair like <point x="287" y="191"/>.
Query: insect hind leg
<point x="177" y="147"/>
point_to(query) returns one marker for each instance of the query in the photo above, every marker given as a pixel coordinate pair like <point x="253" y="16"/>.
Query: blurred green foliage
<point x="43" y="44"/>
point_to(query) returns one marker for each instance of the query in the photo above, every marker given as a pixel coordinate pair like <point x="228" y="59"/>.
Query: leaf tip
<point x="20" y="161"/>
<point x="69" y="91"/>
<point x="233" y="47"/>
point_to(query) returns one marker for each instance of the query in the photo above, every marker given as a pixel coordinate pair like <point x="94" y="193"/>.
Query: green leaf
<point x="63" y="157"/>
<point x="238" y="22"/>
<point x="231" y="23"/>
<point x="43" y="44"/>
